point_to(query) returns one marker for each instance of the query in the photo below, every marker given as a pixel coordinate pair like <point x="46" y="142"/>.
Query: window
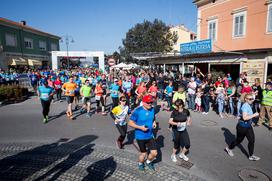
<point x="54" y="47"/>
<point x="212" y="30"/>
<point x="269" y="19"/>
<point x="42" y="45"/>
<point x="11" y="40"/>
<point x="239" y="24"/>
<point x="28" y="43"/>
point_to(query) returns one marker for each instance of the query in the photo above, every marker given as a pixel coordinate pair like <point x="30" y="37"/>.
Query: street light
<point x="68" y="39"/>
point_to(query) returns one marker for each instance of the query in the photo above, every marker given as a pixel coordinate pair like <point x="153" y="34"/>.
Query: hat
<point x="115" y="80"/>
<point x="147" y="99"/>
<point x="268" y="83"/>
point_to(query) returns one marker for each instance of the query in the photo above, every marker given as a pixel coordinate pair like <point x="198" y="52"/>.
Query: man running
<point x="69" y="89"/>
<point x="85" y="92"/>
<point x="143" y="120"/>
<point x="45" y="93"/>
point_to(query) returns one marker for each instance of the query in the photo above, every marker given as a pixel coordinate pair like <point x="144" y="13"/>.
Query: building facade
<point x="22" y="45"/>
<point x="241" y="39"/>
<point x="184" y="36"/>
<point x="243" y="27"/>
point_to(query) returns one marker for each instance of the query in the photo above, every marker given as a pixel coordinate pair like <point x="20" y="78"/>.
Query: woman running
<point x="180" y="119"/>
<point x="119" y="114"/>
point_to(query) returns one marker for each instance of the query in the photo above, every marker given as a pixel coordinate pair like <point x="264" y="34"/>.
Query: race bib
<point x="33" y="79"/>
<point x="170" y="94"/>
<point x="181" y="126"/>
<point x="58" y="86"/>
<point x="44" y="95"/>
<point x="97" y="98"/>
<point x="71" y="92"/>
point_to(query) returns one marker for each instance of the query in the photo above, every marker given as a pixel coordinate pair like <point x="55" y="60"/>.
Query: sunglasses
<point x="250" y="99"/>
<point x="149" y="103"/>
<point x="123" y="100"/>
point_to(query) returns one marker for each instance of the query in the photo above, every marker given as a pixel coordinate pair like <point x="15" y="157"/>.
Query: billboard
<point x="203" y="46"/>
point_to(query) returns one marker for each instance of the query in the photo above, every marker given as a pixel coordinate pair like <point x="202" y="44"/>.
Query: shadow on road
<point x="101" y="169"/>
<point x="24" y="164"/>
<point x="229" y="137"/>
<point x="160" y="144"/>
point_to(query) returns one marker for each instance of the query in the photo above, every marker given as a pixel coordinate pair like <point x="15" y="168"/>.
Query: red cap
<point x="147" y="99"/>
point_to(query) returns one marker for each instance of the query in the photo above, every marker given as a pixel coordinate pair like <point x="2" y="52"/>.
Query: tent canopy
<point x="17" y="61"/>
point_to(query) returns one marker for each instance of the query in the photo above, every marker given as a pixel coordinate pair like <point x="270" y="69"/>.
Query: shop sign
<point x="203" y="46"/>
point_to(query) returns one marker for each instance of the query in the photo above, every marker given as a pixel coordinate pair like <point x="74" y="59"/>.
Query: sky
<point x="97" y="25"/>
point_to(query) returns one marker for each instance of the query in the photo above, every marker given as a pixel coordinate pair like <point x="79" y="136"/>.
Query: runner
<point x="104" y="87"/>
<point x="69" y="89"/>
<point x="140" y="91"/>
<point x="77" y="91"/>
<point x="114" y="89"/>
<point x="127" y="87"/>
<point x="98" y="97"/>
<point x="34" y="80"/>
<point x="85" y="92"/>
<point x="244" y="129"/>
<point x="119" y="114"/>
<point x="58" y="85"/>
<point x="169" y="90"/>
<point x="180" y="119"/>
<point x="143" y="120"/>
<point x="45" y="93"/>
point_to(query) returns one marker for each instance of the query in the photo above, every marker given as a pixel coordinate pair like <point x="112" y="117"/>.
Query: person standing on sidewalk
<point x="119" y="115"/>
<point x="85" y="92"/>
<point x="180" y="119"/>
<point x="69" y="89"/>
<point x="45" y="93"/>
<point x="266" y="105"/>
<point x="244" y="129"/>
<point x="191" y="94"/>
<point x="143" y="120"/>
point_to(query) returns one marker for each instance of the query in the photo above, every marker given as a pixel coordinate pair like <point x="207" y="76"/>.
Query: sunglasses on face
<point x="250" y="99"/>
<point x="123" y="100"/>
<point x="149" y="103"/>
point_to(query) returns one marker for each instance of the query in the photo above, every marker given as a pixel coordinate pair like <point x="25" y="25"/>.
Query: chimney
<point x="23" y="23"/>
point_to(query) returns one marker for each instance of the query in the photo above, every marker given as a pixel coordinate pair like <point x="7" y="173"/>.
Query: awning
<point x="33" y="62"/>
<point x="17" y="61"/>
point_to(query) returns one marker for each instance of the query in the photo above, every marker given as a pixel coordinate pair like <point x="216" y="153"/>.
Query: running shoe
<point x="119" y="144"/>
<point x="174" y="158"/>
<point x="229" y="151"/>
<point x="44" y="120"/>
<point x="81" y="110"/>
<point x="141" y="167"/>
<point x="88" y="115"/>
<point x="150" y="166"/>
<point x="184" y="157"/>
<point x="254" y="158"/>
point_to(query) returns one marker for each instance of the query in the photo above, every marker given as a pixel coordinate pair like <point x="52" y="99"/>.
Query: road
<point x="22" y="127"/>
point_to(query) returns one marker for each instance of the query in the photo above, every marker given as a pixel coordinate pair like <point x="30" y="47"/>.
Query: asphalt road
<point x="22" y="124"/>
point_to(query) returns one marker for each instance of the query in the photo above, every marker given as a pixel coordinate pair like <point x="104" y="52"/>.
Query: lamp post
<point x="68" y="39"/>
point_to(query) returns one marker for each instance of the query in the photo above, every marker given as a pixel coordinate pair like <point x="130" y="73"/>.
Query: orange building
<point x="243" y="27"/>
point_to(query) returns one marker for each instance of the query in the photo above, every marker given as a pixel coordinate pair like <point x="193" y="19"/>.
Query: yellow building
<point x="184" y="36"/>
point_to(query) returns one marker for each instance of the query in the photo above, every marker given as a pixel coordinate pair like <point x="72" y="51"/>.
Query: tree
<point x="148" y="37"/>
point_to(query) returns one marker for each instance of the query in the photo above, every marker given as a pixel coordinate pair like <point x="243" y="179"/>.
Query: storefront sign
<point x="254" y="70"/>
<point x="203" y="46"/>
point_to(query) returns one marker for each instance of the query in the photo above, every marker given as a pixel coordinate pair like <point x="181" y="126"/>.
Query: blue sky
<point x="97" y="25"/>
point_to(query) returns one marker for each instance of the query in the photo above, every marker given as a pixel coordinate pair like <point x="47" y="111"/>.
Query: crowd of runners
<point x="137" y="95"/>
